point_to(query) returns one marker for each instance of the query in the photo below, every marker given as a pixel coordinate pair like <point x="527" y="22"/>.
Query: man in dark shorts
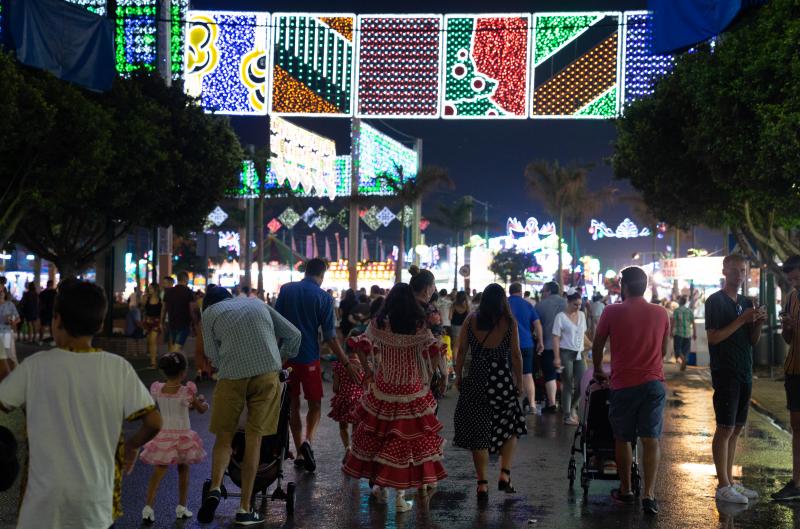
<point x="310" y="309"/>
<point x="551" y="304"/>
<point x="790" y="322"/>
<point x="47" y="298"/>
<point x="733" y="325"/>
<point x="527" y="324"/>
<point x="639" y="333"/>
<point x="178" y="308"/>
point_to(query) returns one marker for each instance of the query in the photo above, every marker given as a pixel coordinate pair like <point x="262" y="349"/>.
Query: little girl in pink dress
<point x="176" y="443"/>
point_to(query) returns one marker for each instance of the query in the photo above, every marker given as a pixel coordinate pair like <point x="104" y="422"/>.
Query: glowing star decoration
<point x="324" y="219"/>
<point x="486" y="66"/>
<point x="643" y="68"/>
<point x="370" y="218"/>
<point x="626" y="230"/>
<point x="217" y="216"/>
<point x="343" y="218"/>
<point x="398" y="65"/>
<point x="385" y="216"/>
<point x="304" y="159"/>
<point x="135" y="35"/>
<point x="312" y="64"/>
<point x="274" y="225"/>
<point x="230" y="240"/>
<point x="289" y="218"/>
<point x="95" y="6"/>
<point x="310" y="217"/>
<point x="380" y="154"/>
<point x="423" y="224"/>
<point x="226" y="61"/>
<point x="577" y="59"/>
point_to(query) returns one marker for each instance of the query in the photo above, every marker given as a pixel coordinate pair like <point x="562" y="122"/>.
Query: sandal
<point x="483" y="495"/>
<point x="506" y="486"/>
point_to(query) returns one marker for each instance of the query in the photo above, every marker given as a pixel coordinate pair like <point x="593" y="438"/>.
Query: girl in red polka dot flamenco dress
<point x="396" y="442"/>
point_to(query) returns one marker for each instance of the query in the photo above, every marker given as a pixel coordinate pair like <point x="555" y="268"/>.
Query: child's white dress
<point x="176" y="443"/>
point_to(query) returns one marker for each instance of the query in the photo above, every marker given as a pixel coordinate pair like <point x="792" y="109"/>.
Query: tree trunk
<point x="560" y="272"/>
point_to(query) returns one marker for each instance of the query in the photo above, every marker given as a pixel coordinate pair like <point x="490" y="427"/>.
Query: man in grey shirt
<point x="551" y="304"/>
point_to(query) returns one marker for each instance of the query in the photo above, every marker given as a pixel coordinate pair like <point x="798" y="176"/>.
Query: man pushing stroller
<point x="241" y="337"/>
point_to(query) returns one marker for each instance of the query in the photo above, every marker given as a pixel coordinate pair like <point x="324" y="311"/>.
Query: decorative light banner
<point x="379" y="154"/>
<point x="486" y="66"/>
<point x="95" y="6"/>
<point x="226" y="61"/>
<point x="178" y="12"/>
<point x="576" y="65"/>
<point x="304" y="159"/>
<point x="626" y="230"/>
<point x="135" y="35"/>
<point x="643" y="68"/>
<point x="312" y="64"/>
<point x="398" y="66"/>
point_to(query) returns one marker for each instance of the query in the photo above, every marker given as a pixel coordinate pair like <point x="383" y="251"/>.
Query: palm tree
<point x="560" y="189"/>
<point x="457" y="219"/>
<point x="408" y="192"/>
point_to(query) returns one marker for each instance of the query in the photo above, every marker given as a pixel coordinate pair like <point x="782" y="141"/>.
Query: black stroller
<point x="274" y="450"/>
<point x="594" y="440"/>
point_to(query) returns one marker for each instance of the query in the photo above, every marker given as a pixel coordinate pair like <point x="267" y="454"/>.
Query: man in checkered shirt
<point x="248" y="342"/>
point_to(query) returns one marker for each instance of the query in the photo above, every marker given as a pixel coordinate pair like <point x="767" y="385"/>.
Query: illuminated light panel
<point x="95" y="6"/>
<point x="135" y="35"/>
<point x="247" y="186"/>
<point x="378" y="154"/>
<point x="312" y="64"/>
<point x="301" y="158"/>
<point x="580" y="78"/>
<point x="398" y="66"/>
<point x="178" y="11"/>
<point x="486" y="66"/>
<point x="643" y="68"/>
<point x="226" y="61"/>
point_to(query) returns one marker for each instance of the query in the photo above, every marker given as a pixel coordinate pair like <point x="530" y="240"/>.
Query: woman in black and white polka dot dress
<point x="488" y="415"/>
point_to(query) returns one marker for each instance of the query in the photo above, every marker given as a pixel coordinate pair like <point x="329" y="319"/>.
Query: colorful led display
<point x="95" y="6"/>
<point x="312" y="64"/>
<point x="303" y="159"/>
<point x="486" y="66"/>
<point x="398" y="66"/>
<point x="178" y="11"/>
<point x="247" y="187"/>
<point x="135" y="35"/>
<point x="226" y="61"/>
<point x="642" y="67"/>
<point x="379" y="154"/>
<point x="576" y="72"/>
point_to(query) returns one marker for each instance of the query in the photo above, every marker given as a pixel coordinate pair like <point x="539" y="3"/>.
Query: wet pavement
<point x="685" y="489"/>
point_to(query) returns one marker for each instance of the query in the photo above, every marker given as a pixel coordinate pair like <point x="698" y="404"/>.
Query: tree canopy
<point x="718" y="143"/>
<point x="141" y="155"/>
<point x="511" y="265"/>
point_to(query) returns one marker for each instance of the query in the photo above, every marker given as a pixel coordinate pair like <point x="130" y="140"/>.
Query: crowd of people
<point x="395" y="354"/>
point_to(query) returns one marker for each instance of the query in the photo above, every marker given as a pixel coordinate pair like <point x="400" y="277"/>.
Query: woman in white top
<point x="569" y="339"/>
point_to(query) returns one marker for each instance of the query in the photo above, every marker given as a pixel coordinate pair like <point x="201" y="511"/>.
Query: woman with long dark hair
<point x="488" y="417"/>
<point x="396" y="443"/>
<point x="458" y="315"/>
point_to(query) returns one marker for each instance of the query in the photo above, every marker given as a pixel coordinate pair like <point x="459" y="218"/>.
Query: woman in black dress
<point x="488" y="416"/>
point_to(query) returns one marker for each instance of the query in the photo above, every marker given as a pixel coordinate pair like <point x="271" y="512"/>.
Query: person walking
<point x="527" y="324"/>
<point x="790" y="322"/>
<point x="310" y="309"/>
<point x="241" y="337"/>
<point x="569" y="340"/>
<point x="396" y="442"/>
<point x="551" y="304"/>
<point x="423" y="284"/>
<point x="733" y="326"/>
<point x="152" y="321"/>
<point x="9" y="318"/>
<point x="29" y="308"/>
<point x="683" y="332"/>
<point x="178" y="302"/>
<point x="488" y="417"/>
<point x="458" y="313"/>
<point x="639" y="333"/>
<point x="47" y="298"/>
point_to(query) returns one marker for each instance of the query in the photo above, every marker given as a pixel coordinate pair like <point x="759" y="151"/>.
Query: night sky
<point x="486" y="159"/>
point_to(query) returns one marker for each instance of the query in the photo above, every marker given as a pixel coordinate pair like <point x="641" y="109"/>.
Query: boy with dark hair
<point x="178" y="302"/>
<point x="76" y="399"/>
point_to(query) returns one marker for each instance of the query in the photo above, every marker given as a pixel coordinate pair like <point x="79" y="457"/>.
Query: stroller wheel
<point x="571" y="472"/>
<point x="636" y="480"/>
<point x="585" y="481"/>
<point x="290" y="487"/>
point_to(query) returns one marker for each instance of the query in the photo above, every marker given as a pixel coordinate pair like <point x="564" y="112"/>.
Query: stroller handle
<point x="283" y="374"/>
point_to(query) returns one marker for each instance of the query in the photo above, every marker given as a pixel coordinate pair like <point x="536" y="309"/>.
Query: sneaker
<point x="650" y="505"/>
<point x="744" y="491"/>
<point x="789" y="492"/>
<point x="549" y="410"/>
<point x="209" y="507"/>
<point x="248" y="518"/>
<point x="308" y="456"/>
<point x="182" y="512"/>
<point x="623" y="497"/>
<point x="570" y="421"/>
<point x="148" y="515"/>
<point x="730" y="495"/>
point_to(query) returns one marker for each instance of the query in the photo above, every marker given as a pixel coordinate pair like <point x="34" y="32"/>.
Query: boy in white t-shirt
<point x="76" y="399"/>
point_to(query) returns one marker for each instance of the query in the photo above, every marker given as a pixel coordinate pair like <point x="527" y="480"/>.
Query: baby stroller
<point x="594" y="440"/>
<point x="274" y="450"/>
